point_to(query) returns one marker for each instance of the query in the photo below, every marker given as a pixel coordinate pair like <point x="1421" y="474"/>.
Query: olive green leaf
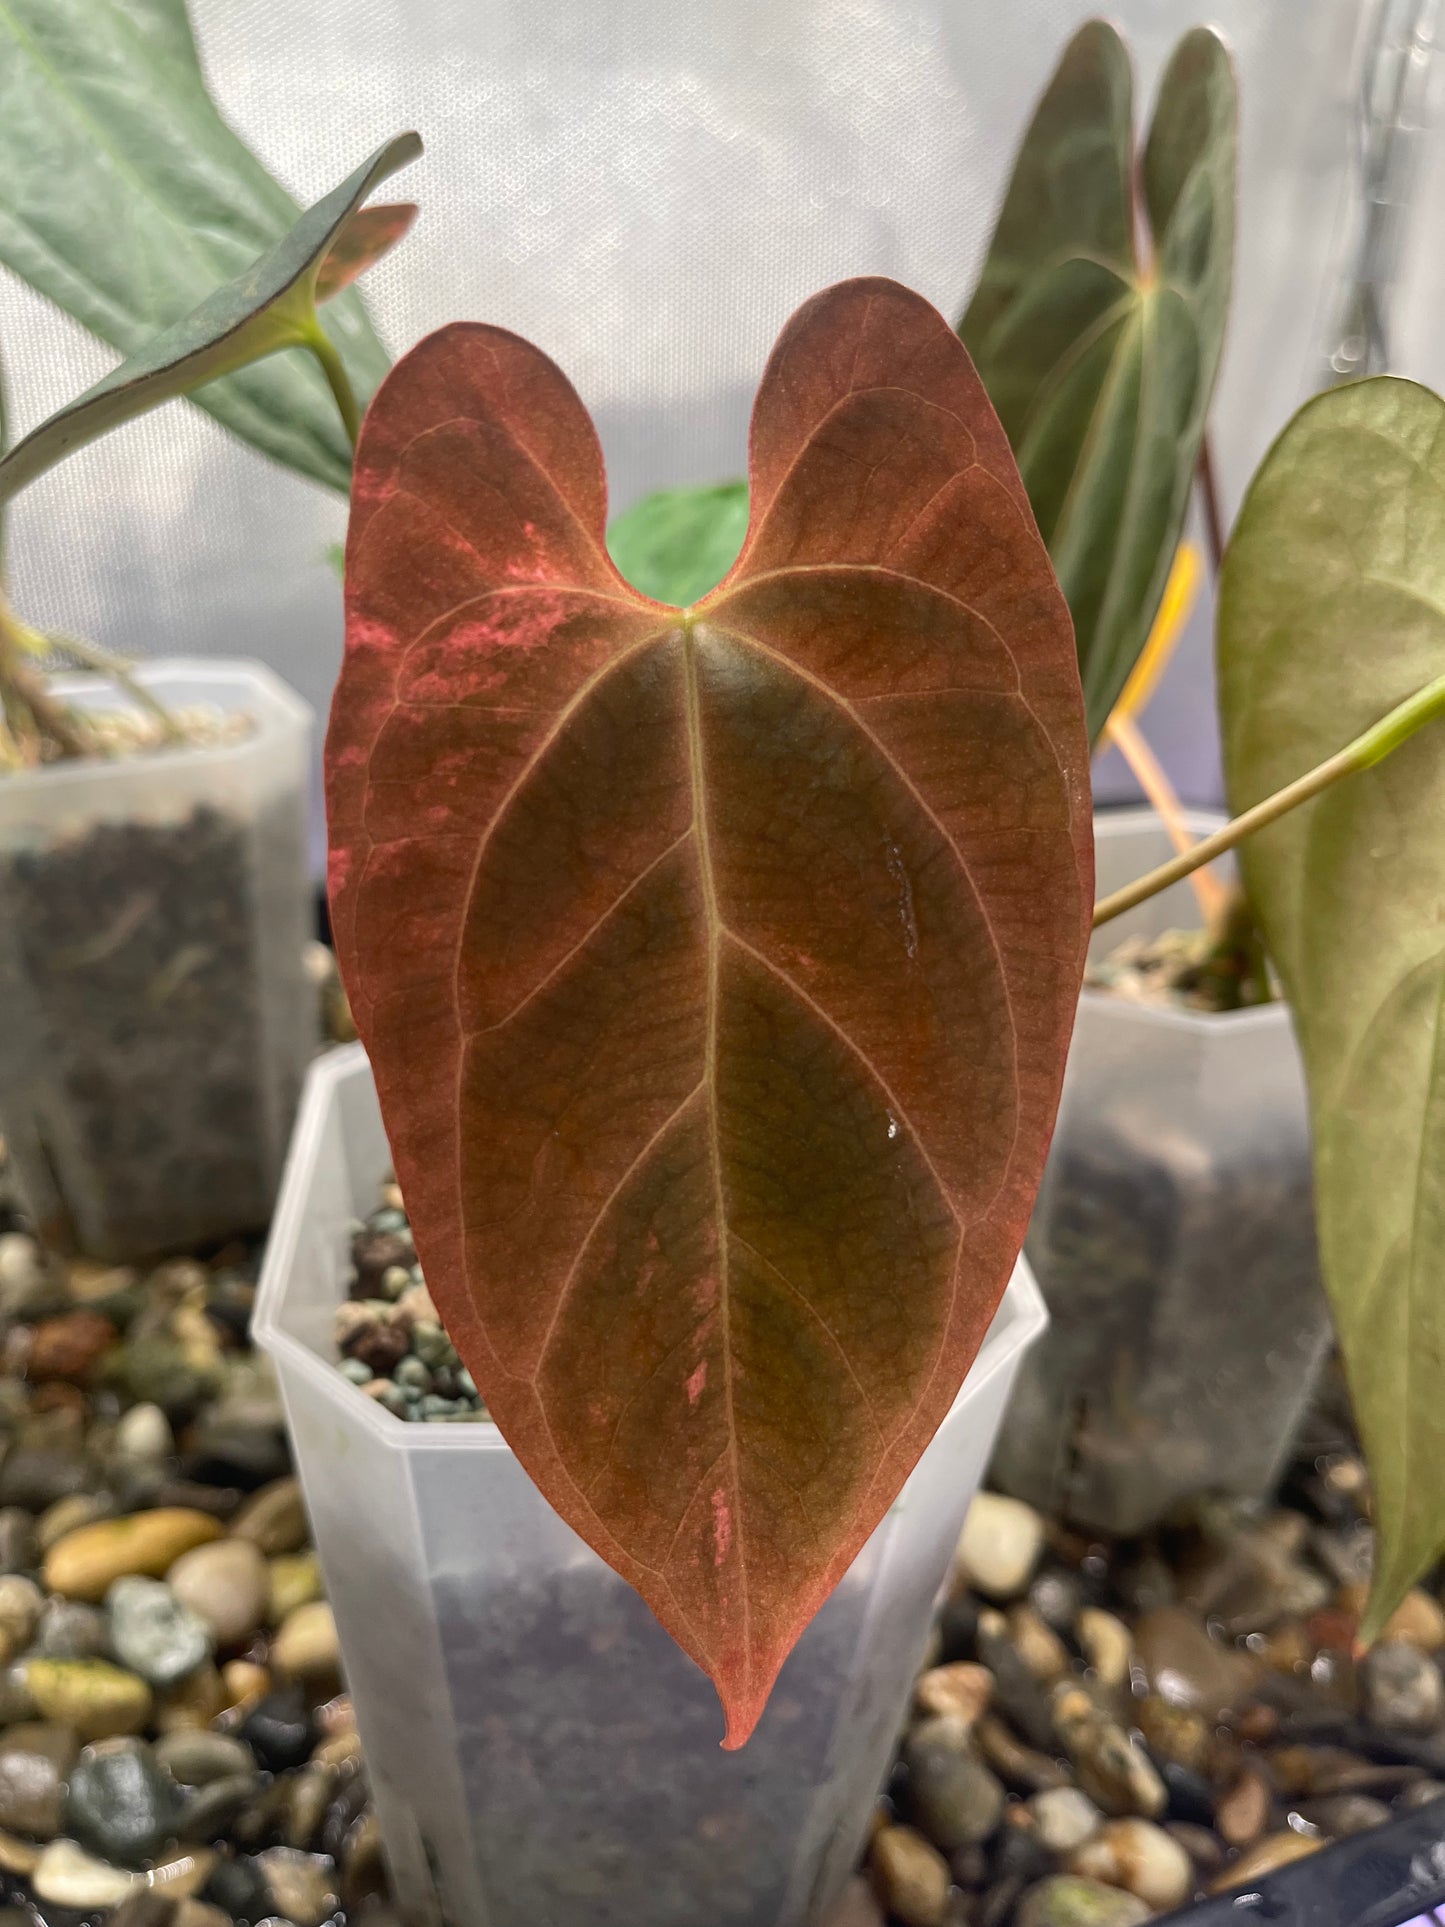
<point x="1101" y="365"/>
<point x="271" y="306"/>
<point x="677" y="544"/>
<point x="125" y="199"/>
<point x="1332" y="611"/>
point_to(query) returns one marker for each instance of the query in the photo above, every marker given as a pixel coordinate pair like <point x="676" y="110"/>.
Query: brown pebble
<point x="1204" y="1848"/>
<point x="962" y="1689"/>
<point x="1172" y="1733"/>
<point x="1258" y="1724"/>
<point x="244" y="1681"/>
<point x="374" y="1253"/>
<point x="1185" y="1666"/>
<point x="70" y="1347"/>
<point x="1037" y="1644"/>
<point x="381" y="1349"/>
<point x="912" y="1877"/>
<point x="1242" y="1811"/>
<point x="1275" y="1850"/>
<point x="1342" y="1815"/>
<point x="1021" y="1767"/>
<point x="1117" y="1774"/>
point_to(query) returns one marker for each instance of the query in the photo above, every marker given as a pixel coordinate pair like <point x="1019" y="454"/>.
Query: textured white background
<point x="647" y="188"/>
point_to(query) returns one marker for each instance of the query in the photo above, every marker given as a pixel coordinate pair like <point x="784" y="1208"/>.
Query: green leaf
<point x="1332" y="611"/>
<point x="125" y="199"/>
<point x="1102" y="366"/>
<point x="681" y="542"/>
<point x="271" y="306"/>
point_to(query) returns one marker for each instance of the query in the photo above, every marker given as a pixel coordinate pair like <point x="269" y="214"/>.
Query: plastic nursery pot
<point x="155" y="1013"/>
<point x="1173" y="1238"/>
<point x="542" y="1755"/>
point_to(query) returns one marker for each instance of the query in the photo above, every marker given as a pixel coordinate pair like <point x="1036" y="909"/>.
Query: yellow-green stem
<point x="1372" y="747"/>
<point x="334" y="369"/>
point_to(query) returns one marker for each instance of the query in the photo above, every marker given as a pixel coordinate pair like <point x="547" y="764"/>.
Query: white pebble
<point x="999" y="1545"/>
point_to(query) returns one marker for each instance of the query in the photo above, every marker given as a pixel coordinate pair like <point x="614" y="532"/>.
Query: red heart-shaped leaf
<point x="717" y="967"/>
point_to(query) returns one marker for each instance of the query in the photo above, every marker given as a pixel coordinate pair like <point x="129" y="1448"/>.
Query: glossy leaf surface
<point x="717" y="969"/>
<point x="1332" y="611"/>
<point x="126" y="199"/>
<point x="681" y="542"/>
<point x="1101" y="365"/>
<point x="265" y="309"/>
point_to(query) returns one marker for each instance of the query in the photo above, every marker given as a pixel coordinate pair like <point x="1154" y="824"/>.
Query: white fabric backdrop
<point x="647" y="188"/>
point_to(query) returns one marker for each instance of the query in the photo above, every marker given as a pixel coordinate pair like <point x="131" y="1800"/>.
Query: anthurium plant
<point x="716" y="941"/>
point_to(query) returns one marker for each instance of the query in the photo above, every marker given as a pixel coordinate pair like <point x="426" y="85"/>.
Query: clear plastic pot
<point x="155" y="1014"/>
<point x="1174" y="1242"/>
<point x="542" y="1754"/>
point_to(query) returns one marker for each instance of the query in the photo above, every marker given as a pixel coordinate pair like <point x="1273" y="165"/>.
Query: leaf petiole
<point x="333" y="367"/>
<point x="1363" y="753"/>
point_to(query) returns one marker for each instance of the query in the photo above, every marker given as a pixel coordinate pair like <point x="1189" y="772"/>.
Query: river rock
<point x="92" y="1697"/>
<point x="279" y="1730"/>
<point x="1037" y="1644"/>
<point x="19" y="1551"/>
<point x="1066" y="1900"/>
<point x="913" y="1878"/>
<point x="857" y="1906"/>
<point x="18" y="1856"/>
<point x="69" y="1347"/>
<point x="153" y="1633"/>
<point x="999" y="1546"/>
<point x="70" y="1629"/>
<point x="226" y="1583"/>
<point x="1342" y="1814"/>
<point x="213" y="1809"/>
<point x="68" y="1515"/>
<point x="303" y="1885"/>
<point x="1423" y="1793"/>
<point x="1109" y="1765"/>
<point x="143" y="1907"/>
<point x="67" y="1876"/>
<point x="21" y="1604"/>
<point x="1057" y="1595"/>
<point x="1275" y="1850"/>
<point x="274" y="1518"/>
<point x="239" y="1888"/>
<point x="305" y="1645"/>
<point x="87" y="1563"/>
<point x="1173" y="1733"/>
<point x="34" y="1762"/>
<point x="1107" y="1645"/>
<point x="195" y="1756"/>
<point x="1403" y="1687"/>
<point x="1065" y="1817"/>
<point x="1024" y="1768"/>
<point x="122" y="1805"/>
<point x="961" y="1690"/>
<point x="1141" y="1858"/>
<point x="144" y="1434"/>
<point x="1184" y="1666"/>
<point x="294" y="1580"/>
<point x="953" y="1798"/>
<point x="1242" y="1811"/>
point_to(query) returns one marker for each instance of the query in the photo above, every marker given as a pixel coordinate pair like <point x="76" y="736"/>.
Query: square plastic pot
<point x="542" y="1755"/>
<point x="155" y="1013"/>
<point x="1174" y="1242"/>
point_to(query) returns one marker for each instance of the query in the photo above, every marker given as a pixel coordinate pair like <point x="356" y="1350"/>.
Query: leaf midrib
<point x="713" y="926"/>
